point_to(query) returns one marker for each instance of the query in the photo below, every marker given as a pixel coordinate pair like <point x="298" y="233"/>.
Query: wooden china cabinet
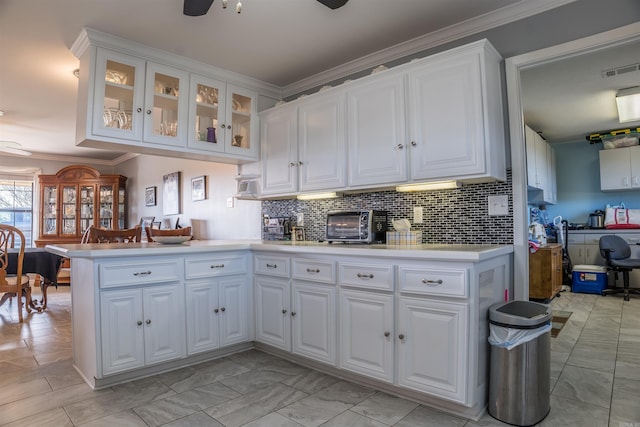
<point x="77" y="197"/>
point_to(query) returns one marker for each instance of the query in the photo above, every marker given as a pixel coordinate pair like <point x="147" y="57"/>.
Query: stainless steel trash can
<point x="520" y="376"/>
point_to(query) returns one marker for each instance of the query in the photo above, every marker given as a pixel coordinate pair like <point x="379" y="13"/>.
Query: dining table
<point x="36" y="261"/>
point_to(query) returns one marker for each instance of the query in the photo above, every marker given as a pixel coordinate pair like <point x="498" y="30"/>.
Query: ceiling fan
<point x="13" y="148"/>
<point x="201" y="7"/>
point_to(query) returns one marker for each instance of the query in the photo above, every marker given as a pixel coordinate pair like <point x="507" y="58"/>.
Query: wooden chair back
<point x="129" y="235"/>
<point x="186" y="231"/>
<point x="10" y="283"/>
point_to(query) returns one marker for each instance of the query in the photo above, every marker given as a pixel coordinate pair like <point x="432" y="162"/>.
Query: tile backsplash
<point x="457" y="216"/>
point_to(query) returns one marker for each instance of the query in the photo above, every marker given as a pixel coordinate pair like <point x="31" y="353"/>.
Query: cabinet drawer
<point x="272" y="265"/>
<point x="315" y="270"/>
<point x="631" y="238"/>
<point x="434" y="281"/>
<point x="140" y="273"/>
<point x="368" y="276"/>
<point x="594" y="239"/>
<point x="575" y="239"/>
<point x="212" y="266"/>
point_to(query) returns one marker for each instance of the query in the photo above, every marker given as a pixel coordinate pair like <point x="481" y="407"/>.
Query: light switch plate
<point x="300" y="219"/>
<point x="229" y="202"/>
<point x="417" y="215"/>
<point x="498" y="205"/>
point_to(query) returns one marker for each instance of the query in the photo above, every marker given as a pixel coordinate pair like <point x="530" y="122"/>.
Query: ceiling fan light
<point x="628" y="102"/>
<point x="12" y="147"/>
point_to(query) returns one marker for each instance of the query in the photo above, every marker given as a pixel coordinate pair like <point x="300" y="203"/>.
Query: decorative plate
<point x="171" y="240"/>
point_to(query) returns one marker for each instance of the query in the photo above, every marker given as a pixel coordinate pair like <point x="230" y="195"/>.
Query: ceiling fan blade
<point x="333" y="4"/>
<point x="196" y="7"/>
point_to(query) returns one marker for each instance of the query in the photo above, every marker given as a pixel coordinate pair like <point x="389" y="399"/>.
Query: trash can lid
<point x="521" y="314"/>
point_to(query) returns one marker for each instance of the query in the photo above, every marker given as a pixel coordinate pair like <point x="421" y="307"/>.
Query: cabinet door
<point x="121" y="330"/>
<point x="69" y="212"/>
<point x="279" y="151"/>
<point x="446" y="117"/>
<point x="202" y="316"/>
<point x="314" y="321"/>
<point x="164" y="325"/>
<point x="87" y="207"/>
<point x="207" y="98"/>
<point x="234" y="327"/>
<point x="541" y="163"/>
<point x="273" y="316"/>
<point x="322" y="143"/>
<point x="634" y="157"/>
<point x="532" y="170"/>
<point x="615" y="169"/>
<point x="166" y="105"/>
<point x="552" y="186"/>
<point x="432" y="351"/>
<point x="377" y="134"/>
<point x="118" y="96"/>
<point x="576" y="253"/>
<point x="240" y="135"/>
<point x="49" y="216"/>
<point x="366" y="333"/>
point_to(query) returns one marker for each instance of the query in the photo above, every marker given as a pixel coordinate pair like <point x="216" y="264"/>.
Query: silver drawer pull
<point x="365" y="276"/>
<point x="432" y="282"/>
<point x="142" y="273"/>
<point x="311" y="270"/>
<point x="272" y="265"/>
<point x="217" y="266"/>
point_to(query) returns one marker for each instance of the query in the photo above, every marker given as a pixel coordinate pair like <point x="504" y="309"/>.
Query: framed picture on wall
<point x="171" y="194"/>
<point x="156" y="225"/>
<point x="198" y="188"/>
<point x="150" y="196"/>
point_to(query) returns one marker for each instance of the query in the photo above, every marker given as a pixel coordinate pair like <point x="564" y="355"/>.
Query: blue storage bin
<point x="589" y="279"/>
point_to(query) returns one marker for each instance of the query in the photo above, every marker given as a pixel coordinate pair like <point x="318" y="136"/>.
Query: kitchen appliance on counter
<point x="357" y="226"/>
<point x="596" y="219"/>
<point x="277" y="228"/>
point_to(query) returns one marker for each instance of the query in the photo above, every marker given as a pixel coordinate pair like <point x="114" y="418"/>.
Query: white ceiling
<point x="282" y="42"/>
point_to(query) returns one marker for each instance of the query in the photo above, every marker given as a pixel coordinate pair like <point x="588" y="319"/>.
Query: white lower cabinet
<point x="313" y="314"/>
<point x="216" y="313"/>
<point x="367" y="333"/>
<point x="273" y="318"/>
<point x="432" y="347"/>
<point x="141" y="326"/>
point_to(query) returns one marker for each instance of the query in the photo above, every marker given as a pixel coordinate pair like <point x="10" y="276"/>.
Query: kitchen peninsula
<point x="408" y="320"/>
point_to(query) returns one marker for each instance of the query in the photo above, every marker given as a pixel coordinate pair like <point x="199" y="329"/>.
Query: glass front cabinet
<point x="77" y="197"/>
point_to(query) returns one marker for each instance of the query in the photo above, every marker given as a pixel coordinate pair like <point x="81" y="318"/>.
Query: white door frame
<point x="513" y="66"/>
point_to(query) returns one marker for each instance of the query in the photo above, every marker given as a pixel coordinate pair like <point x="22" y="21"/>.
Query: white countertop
<point x="606" y="230"/>
<point x="427" y="252"/>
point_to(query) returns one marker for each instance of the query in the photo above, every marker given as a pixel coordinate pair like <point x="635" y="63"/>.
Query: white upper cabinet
<point x="377" y="133"/>
<point x="279" y="151"/>
<point x="541" y="168"/>
<point x="620" y="168"/>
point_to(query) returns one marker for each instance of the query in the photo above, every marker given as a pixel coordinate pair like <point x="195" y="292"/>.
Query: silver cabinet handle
<point x="413" y="143"/>
<point x="139" y="110"/>
<point x="284" y="311"/>
<point x="217" y="266"/>
<point x="299" y="163"/>
<point x="365" y="276"/>
<point x="401" y="336"/>
<point x="142" y="273"/>
<point x="148" y="111"/>
<point x="432" y="282"/>
<point x="291" y="164"/>
<point x="387" y="333"/>
<point x="311" y="270"/>
<point x="215" y="310"/>
<point x="139" y="322"/>
<point x="272" y="265"/>
<point x="293" y="313"/>
<point x="148" y="322"/>
<point x="223" y="309"/>
<point x="400" y="146"/>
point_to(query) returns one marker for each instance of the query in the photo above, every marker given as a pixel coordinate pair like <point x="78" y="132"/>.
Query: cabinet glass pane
<point x="241" y="121"/>
<point x="69" y="213"/>
<point x="86" y="206"/>
<point x="118" y="95"/>
<point x="121" y="213"/>
<point x="207" y="113"/>
<point x="165" y="105"/>
<point x="106" y="206"/>
<point x="50" y="206"/>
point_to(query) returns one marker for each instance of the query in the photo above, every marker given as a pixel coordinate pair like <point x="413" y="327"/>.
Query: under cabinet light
<point x="628" y="102"/>
<point x="315" y="196"/>
<point x="426" y="186"/>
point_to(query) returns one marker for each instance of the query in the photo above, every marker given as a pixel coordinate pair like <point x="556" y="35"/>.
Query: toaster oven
<point x="357" y="226"/>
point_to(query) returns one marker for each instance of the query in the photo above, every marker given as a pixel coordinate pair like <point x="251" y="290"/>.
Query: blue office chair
<point x="616" y="251"/>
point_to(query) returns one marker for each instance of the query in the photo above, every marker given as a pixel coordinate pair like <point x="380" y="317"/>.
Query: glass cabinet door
<point x="50" y="209"/>
<point x="121" y="208"/>
<point x="166" y="105"/>
<point x="118" y="108"/>
<point x="206" y="114"/>
<point x="106" y="207"/>
<point x="240" y="133"/>
<point x="69" y="210"/>
<point x="86" y="206"/>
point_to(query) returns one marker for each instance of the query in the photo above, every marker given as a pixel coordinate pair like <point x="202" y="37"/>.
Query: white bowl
<point x="171" y="240"/>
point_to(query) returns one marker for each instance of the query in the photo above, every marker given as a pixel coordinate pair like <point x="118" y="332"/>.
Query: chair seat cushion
<point x="626" y="263"/>
<point x="13" y="280"/>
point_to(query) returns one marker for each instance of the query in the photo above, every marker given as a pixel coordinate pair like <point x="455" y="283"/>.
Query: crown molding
<point x="502" y="16"/>
<point x="78" y="159"/>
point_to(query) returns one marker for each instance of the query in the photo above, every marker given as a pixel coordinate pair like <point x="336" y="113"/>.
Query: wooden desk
<point x="37" y="261"/>
<point x="545" y="272"/>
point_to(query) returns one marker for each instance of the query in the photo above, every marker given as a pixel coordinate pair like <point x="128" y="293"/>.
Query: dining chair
<point x="128" y="235"/>
<point x="18" y="283"/>
<point x="617" y="254"/>
<point x="186" y="231"/>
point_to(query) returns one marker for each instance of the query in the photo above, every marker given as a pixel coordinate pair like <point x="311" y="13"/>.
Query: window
<point x="16" y="206"/>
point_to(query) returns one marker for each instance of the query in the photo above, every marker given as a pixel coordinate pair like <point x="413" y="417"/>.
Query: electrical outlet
<point x="417" y="215"/>
<point x="498" y="205"/>
<point x="300" y="219"/>
<point x="229" y="202"/>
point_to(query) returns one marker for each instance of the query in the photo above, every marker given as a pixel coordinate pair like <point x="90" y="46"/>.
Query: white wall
<point x="210" y="218"/>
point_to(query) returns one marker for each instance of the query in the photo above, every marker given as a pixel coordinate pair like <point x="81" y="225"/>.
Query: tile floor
<point x="595" y="381"/>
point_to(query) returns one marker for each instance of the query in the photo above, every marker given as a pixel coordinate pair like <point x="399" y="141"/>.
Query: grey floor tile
<point x="569" y="412"/>
<point x="252" y="380"/>
<point x="423" y="416"/>
<point x="208" y="373"/>
<point x="352" y="419"/>
<point x="56" y="417"/>
<point x="125" y="419"/>
<point x="274" y="420"/>
<point x="585" y="385"/>
<point x="385" y="408"/>
<point x="199" y="419"/>
<point x="310" y="381"/>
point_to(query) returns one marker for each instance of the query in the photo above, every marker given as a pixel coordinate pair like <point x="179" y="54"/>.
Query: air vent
<point x="621" y="70"/>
